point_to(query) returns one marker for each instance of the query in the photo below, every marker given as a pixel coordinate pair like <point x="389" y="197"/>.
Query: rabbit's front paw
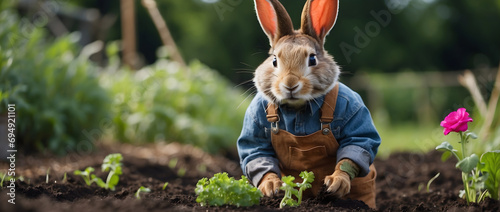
<point x="339" y="183"/>
<point x="270" y="184"/>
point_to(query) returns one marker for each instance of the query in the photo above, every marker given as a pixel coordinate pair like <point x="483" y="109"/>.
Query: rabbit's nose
<point x="291" y="89"/>
<point x="290" y="84"/>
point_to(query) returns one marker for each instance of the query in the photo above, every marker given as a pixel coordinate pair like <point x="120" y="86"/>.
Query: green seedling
<point x="99" y="182"/>
<point x="289" y="188"/>
<point x="3" y="178"/>
<point x="172" y="163"/>
<point x="202" y="168"/>
<point x="141" y="189"/>
<point x="111" y="163"/>
<point x="165" y="186"/>
<point x="432" y="180"/>
<point x="6" y="178"/>
<point x="223" y="190"/>
<point x="85" y="174"/>
<point x="181" y="172"/>
<point x="420" y="187"/>
<point x="47" y="176"/>
<point x="65" y="178"/>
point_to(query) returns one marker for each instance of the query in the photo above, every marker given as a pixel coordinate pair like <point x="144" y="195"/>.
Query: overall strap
<point x="328" y="108"/>
<point x="273" y="117"/>
<point x="272" y="113"/>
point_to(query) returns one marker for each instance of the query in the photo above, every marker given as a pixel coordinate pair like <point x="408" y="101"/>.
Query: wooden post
<point x="165" y="35"/>
<point x="128" y="33"/>
<point x="487" y="111"/>
<point x="469" y="81"/>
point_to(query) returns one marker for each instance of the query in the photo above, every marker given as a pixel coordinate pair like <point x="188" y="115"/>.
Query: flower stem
<point x="463" y="140"/>
<point x="465" y="176"/>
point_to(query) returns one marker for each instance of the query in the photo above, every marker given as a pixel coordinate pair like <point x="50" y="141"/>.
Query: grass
<point x="408" y="138"/>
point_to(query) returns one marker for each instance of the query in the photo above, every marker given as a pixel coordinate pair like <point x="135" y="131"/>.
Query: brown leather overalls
<point x="316" y="152"/>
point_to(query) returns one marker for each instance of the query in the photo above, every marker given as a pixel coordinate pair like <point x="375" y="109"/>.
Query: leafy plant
<point x="166" y="102"/>
<point x="474" y="173"/>
<point x="141" y="189"/>
<point x="62" y="105"/>
<point x="223" y="190"/>
<point x="472" y="179"/>
<point x="56" y="91"/>
<point x="290" y="188"/>
<point x="490" y="164"/>
<point x="111" y="163"/>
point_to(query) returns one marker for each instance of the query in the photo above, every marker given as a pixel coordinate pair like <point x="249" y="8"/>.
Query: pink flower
<point x="456" y="121"/>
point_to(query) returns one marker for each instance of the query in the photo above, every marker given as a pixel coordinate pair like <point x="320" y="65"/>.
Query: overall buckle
<point x="275" y="127"/>
<point x="325" y="128"/>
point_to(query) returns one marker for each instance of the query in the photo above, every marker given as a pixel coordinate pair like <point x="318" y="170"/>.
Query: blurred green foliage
<point x="419" y="35"/>
<point x="59" y="96"/>
<point x="165" y="102"/>
<point x="423" y="35"/>
<point x="56" y="92"/>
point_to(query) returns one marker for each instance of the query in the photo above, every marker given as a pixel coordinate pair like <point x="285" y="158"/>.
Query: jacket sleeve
<point x="359" y="139"/>
<point x="257" y="156"/>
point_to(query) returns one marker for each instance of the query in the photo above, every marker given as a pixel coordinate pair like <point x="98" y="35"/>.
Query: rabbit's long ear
<point x="274" y="19"/>
<point x="318" y="18"/>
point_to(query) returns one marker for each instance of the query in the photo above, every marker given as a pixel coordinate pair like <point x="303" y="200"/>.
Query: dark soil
<point x="398" y="182"/>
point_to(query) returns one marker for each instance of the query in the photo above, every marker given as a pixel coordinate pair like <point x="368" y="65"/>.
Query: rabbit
<point x="298" y="74"/>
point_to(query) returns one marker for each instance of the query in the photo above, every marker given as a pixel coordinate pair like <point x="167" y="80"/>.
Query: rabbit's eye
<point x="275" y="62"/>
<point x="312" y="60"/>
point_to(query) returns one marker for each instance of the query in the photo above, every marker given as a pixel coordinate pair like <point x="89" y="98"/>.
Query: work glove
<point x="270" y="184"/>
<point x="339" y="183"/>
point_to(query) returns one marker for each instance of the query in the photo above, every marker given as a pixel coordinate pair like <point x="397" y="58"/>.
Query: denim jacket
<point x="352" y="127"/>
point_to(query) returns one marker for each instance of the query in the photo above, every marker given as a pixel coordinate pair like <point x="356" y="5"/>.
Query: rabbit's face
<point x="298" y="69"/>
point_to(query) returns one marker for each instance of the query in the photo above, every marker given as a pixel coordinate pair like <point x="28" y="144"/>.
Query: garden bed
<point x="398" y="182"/>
